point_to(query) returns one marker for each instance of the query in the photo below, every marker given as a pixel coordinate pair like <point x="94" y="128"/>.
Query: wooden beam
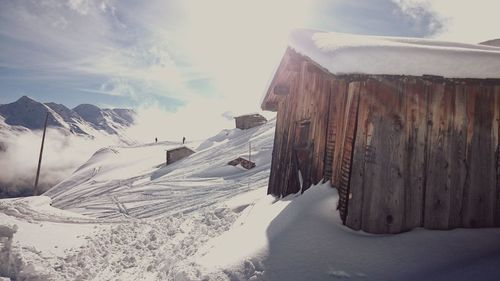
<point x="282" y="89"/>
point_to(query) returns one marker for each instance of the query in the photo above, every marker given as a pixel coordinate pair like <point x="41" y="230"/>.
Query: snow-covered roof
<point x="180" y="148"/>
<point x="348" y="54"/>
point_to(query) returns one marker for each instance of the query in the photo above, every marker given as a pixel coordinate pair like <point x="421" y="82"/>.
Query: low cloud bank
<point x="61" y="156"/>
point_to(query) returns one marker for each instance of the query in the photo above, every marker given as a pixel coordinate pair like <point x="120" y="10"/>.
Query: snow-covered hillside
<point x="134" y="181"/>
<point x="124" y="215"/>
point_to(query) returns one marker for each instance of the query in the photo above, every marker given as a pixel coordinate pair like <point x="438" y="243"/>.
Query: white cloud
<point x="464" y="21"/>
<point x="62" y="155"/>
<point x="89" y="39"/>
<point x="81" y="6"/>
<point x="196" y="121"/>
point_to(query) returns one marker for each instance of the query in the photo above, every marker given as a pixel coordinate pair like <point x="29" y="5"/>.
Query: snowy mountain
<point x="72" y="136"/>
<point x="108" y="120"/>
<point x="86" y="120"/>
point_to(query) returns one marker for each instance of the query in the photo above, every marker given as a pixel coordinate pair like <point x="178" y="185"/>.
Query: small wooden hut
<point x="247" y="164"/>
<point x="406" y="129"/>
<point x="176" y="154"/>
<point x="248" y="121"/>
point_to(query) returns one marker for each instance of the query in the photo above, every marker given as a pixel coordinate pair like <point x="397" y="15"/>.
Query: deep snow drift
<point x="301" y="237"/>
<point x="125" y="216"/>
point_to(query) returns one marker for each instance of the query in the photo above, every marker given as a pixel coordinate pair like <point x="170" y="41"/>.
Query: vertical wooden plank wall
<point x="381" y="170"/>
<point x="457" y="156"/>
<point x="426" y="154"/>
<point x="497" y="151"/>
<point x="480" y="189"/>
<point x="416" y="96"/>
<point x="307" y="101"/>
<point x="404" y="151"/>
<point x="438" y="187"/>
<point x="339" y="89"/>
<point x="363" y="153"/>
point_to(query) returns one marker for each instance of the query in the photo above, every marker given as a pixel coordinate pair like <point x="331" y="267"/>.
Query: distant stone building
<point x="249" y="121"/>
<point x="176" y="154"/>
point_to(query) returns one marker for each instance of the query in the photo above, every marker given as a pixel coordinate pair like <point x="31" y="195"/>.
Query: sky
<point x="195" y="56"/>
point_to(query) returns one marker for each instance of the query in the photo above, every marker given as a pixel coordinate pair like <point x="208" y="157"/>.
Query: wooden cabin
<point x="248" y="121"/>
<point x="179" y="153"/>
<point x="406" y="145"/>
<point x="247" y="164"/>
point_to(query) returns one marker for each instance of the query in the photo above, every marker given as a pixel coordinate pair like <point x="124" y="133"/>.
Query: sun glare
<point x="238" y="42"/>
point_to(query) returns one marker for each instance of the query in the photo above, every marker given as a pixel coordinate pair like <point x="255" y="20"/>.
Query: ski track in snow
<point x="148" y="218"/>
<point x="181" y="187"/>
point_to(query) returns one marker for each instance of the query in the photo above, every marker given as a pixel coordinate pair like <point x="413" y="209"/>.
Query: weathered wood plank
<point x="437" y="193"/>
<point x="457" y="159"/>
<point x="282" y="76"/>
<point x="290" y="179"/>
<point x="480" y="193"/>
<point x="496" y="135"/>
<point x="275" y="160"/>
<point x="282" y="89"/>
<point x="336" y="101"/>
<point x="348" y="134"/>
<point x="362" y="148"/>
<point x="416" y="135"/>
<point x="383" y="202"/>
<point x="280" y="178"/>
<point x="339" y="98"/>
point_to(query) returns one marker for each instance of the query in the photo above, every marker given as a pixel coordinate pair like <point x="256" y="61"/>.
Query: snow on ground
<point x="346" y="54"/>
<point x="124" y="215"/>
<point x="42" y="236"/>
<point x="302" y="238"/>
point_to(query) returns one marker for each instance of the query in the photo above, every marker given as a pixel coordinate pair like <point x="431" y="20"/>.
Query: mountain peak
<point x="86" y="107"/>
<point x="85" y="119"/>
<point x="24" y="99"/>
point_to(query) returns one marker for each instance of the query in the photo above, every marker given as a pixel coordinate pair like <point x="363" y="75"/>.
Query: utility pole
<point x="35" y="190"/>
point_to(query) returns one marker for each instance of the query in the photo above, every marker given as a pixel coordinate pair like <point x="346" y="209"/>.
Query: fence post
<point x="35" y="189"/>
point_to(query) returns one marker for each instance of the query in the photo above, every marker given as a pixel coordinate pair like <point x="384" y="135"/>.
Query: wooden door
<point x="302" y="154"/>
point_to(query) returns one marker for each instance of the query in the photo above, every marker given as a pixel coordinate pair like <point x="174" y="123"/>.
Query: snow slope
<point x="134" y="182"/>
<point x="346" y="54"/>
